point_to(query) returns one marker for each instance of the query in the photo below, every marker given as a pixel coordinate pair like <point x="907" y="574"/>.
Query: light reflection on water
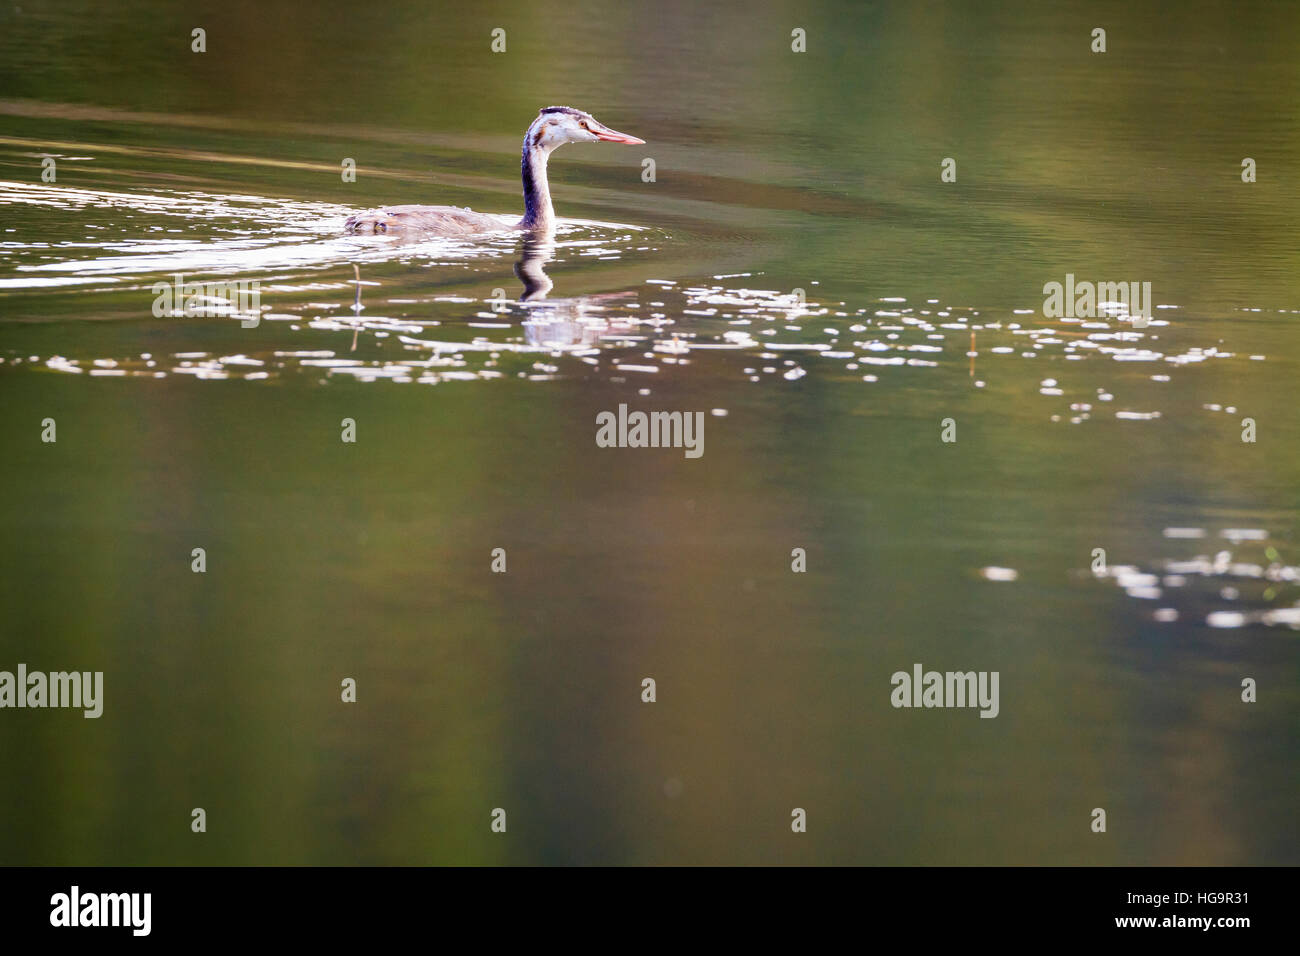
<point x="782" y="333"/>
<point x="727" y="328"/>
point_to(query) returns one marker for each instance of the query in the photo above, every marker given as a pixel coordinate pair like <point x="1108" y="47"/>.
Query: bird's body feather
<point x="554" y="127"/>
<point x="435" y="220"/>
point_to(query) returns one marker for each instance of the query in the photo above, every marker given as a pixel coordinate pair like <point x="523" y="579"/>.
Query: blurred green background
<point x="817" y="171"/>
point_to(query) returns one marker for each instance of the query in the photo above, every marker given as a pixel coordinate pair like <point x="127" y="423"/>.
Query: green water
<point x="798" y="272"/>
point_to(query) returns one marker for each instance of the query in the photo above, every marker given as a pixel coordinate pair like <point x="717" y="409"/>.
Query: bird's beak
<point x="607" y="135"/>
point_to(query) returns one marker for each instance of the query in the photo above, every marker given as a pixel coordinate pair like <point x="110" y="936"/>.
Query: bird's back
<point x="428" y="220"/>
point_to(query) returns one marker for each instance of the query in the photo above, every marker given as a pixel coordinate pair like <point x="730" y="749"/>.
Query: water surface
<point x="797" y="272"/>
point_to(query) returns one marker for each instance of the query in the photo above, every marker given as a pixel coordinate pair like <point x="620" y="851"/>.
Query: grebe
<point x="554" y="126"/>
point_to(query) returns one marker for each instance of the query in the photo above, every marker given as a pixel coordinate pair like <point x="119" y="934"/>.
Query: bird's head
<point x="557" y="125"/>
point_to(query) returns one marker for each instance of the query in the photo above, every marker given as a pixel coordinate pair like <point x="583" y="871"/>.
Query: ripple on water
<point x="228" y="235"/>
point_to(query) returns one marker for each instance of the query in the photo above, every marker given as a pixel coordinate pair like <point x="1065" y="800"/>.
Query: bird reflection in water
<point x="535" y="252"/>
<point x="562" y="323"/>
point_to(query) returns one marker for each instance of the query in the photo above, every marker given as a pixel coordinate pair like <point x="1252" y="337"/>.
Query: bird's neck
<point x="538" y="212"/>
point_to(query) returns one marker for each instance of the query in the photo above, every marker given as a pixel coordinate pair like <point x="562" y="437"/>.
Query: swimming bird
<point x="554" y="126"/>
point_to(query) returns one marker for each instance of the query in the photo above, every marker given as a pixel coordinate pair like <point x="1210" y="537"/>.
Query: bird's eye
<point x="583" y="124"/>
